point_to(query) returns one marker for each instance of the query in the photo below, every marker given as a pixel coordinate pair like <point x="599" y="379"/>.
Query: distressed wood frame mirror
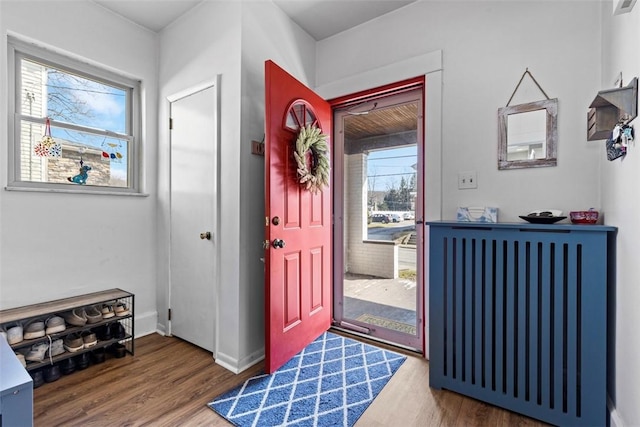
<point x="528" y="135"/>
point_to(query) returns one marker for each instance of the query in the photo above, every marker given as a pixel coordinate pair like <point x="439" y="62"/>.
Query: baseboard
<point x="146" y="323"/>
<point x="160" y="329"/>
<point x="614" y="418"/>
<point x="236" y="366"/>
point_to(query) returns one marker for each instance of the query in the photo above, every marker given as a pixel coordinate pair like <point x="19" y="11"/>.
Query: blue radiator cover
<point x="518" y="316"/>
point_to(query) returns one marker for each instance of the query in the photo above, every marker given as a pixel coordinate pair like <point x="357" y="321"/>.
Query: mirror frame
<point x="551" y="107"/>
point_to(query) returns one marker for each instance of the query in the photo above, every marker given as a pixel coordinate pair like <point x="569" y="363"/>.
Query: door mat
<point x="387" y="323"/>
<point x="329" y="383"/>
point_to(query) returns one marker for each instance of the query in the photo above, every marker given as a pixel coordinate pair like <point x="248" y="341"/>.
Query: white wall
<point x="619" y="188"/>
<point x="486" y="47"/>
<point x="573" y="49"/>
<point x="202" y="44"/>
<point x="267" y="33"/>
<point x="56" y="245"/>
<point x="232" y="39"/>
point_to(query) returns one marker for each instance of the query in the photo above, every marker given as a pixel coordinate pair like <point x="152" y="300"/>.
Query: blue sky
<point x="104" y="107"/>
<point x="387" y="167"/>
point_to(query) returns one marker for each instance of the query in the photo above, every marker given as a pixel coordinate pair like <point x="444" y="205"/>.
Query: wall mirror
<point x="527" y="135"/>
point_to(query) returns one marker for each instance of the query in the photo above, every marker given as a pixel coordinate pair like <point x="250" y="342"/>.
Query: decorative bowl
<point x="584" y="217"/>
<point x="543" y="216"/>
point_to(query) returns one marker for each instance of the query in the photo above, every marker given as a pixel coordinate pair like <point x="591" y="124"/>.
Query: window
<point x="73" y="126"/>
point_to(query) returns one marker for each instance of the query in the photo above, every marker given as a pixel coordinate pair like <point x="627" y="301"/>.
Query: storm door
<point x="378" y="193"/>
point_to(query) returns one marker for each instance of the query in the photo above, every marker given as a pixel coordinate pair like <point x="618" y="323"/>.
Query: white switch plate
<point x="467" y="180"/>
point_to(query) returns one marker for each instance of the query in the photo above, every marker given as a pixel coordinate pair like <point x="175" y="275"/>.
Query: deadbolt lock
<point x="205" y="235"/>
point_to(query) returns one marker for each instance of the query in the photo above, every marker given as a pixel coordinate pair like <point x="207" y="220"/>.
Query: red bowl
<point x="584" y="217"/>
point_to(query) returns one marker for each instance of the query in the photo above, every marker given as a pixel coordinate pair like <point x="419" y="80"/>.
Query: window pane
<point x="106" y="157"/>
<point x="65" y="97"/>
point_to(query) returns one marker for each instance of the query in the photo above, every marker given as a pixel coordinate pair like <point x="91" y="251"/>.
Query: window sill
<point x="70" y="191"/>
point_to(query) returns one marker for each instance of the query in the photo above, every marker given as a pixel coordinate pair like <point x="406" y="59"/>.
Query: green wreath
<point x="311" y="142"/>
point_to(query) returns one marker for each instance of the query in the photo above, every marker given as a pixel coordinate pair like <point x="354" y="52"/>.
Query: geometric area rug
<point x="329" y="383"/>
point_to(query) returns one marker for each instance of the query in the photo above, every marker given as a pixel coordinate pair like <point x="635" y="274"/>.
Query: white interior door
<point x="193" y="252"/>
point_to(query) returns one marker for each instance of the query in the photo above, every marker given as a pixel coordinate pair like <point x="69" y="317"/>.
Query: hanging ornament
<point x="83" y="173"/>
<point x="111" y="151"/>
<point x="48" y="147"/>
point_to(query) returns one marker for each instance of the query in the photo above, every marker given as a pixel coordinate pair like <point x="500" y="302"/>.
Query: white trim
<point x="109" y="191"/>
<point x="614" y="417"/>
<point x="429" y="65"/>
<point x="145" y="323"/>
<point x="237" y="366"/>
<point x="215" y="84"/>
<point x="386" y="74"/>
<point x="20" y="48"/>
<point x="194" y="89"/>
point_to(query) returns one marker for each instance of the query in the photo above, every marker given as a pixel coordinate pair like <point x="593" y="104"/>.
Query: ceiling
<point x="319" y="18"/>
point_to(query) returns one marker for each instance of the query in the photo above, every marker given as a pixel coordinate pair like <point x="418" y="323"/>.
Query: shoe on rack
<point x="14" y="334"/>
<point x="52" y="373"/>
<point x="121" y="309"/>
<point x="107" y="311"/>
<point x="34" y="329"/>
<point x="98" y="355"/>
<point x="37" y="352"/>
<point x="67" y="366"/>
<point x="118" y="350"/>
<point x="75" y="317"/>
<point x="82" y="361"/>
<point x="89" y="339"/>
<point x="55" y="324"/>
<point x="103" y="332"/>
<point x="56" y="348"/>
<point x="73" y="343"/>
<point x="22" y="360"/>
<point x="38" y="378"/>
<point x="92" y="314"/>
<point x="118" y="331"/>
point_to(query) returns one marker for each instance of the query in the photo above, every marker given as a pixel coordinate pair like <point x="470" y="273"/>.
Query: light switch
<point x="467" y="180"/>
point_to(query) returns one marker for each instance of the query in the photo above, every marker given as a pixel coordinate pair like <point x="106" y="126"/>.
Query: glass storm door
<point x="378" y="198"/>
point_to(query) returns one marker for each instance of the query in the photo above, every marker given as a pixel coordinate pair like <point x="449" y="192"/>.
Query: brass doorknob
<point x="278" y="243"/>
<point x="205" y="235"/>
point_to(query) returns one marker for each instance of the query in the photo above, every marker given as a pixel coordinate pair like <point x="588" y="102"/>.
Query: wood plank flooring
<point x="169" y="382"/>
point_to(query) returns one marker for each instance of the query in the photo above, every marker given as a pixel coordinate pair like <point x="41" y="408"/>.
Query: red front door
<point x="298" y="265"/>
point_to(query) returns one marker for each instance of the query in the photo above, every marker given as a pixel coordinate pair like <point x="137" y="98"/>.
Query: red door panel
<point x="298" y="275"/>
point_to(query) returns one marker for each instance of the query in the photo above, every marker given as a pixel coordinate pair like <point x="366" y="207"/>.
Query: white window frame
<point x="18" y="49"/>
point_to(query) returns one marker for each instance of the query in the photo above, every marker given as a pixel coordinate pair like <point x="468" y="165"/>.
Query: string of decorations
<point x="312" y="158"/>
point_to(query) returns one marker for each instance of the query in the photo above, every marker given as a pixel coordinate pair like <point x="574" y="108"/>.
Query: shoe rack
<point x="43" y="311"/>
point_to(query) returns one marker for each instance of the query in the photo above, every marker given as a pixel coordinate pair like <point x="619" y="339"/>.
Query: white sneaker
<point x="34" y="329"/>
<point x="22" y="360"/>
<point x="107" y="311"/>
<point x="56" y="348"/>
<point x="36" y="354"/>
<point x="121" y="309"/>
<point x="14" y="334"/>
<point x="55" y="324"/>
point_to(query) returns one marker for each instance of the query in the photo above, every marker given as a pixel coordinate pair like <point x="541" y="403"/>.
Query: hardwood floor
<point x="169" y="382"/>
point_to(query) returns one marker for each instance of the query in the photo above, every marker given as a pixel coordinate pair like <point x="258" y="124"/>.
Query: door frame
<point x="398" y="92"/>
<point x="428" y="65"/>
<point x="215" y="83"/>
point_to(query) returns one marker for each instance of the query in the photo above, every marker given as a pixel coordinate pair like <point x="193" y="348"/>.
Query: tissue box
<point x="477" y="214"/>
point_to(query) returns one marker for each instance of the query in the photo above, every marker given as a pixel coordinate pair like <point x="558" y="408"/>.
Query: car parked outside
<point x="395" y="218"/>
<point x="409" y="216"/>
<point x="383" y="218"/>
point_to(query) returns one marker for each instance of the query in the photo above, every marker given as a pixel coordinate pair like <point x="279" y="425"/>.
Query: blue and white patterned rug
<point x="329" y="383"/>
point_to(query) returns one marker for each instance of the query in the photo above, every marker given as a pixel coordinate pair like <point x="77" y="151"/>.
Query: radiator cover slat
<point x="518" y="316"/>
